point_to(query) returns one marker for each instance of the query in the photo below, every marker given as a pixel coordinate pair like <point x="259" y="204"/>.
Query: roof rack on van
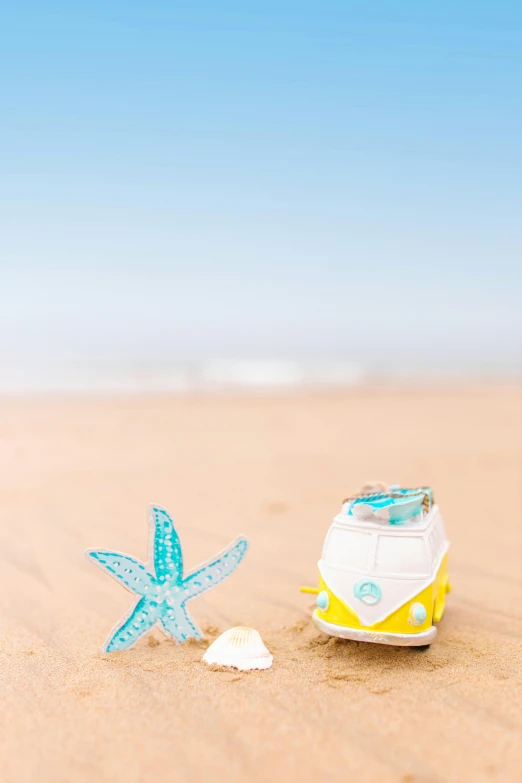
<point x="392" y="504"/>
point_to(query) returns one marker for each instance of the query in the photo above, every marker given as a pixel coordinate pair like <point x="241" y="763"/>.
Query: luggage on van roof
<point x="393" y="504"/>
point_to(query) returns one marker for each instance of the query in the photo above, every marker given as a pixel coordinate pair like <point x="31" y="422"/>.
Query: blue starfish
<point x="160" y="586"/>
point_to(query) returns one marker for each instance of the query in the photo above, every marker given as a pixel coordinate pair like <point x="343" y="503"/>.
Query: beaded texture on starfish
<point x="161" y="589"/>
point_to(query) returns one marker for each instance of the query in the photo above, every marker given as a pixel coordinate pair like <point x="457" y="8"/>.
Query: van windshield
<point x="347" y="548"/>
<point x="401" y="555"/>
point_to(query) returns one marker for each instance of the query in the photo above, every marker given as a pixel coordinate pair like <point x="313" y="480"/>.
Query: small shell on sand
<point x="241" y="648"/>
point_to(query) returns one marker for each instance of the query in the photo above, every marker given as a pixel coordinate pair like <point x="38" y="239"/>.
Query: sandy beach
<point x="79" y="472"/>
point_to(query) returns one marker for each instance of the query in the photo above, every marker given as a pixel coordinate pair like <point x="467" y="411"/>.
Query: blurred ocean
<point x="180" y="377"/>
<point x="249" y="375"/>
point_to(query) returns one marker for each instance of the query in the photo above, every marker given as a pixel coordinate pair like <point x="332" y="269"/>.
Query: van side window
<point x="436" y="540"/>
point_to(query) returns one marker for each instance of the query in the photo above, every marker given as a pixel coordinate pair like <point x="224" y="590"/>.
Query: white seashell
<point x="241" y="647"/>
<point x="368" y="513"/>
<point x="382" y="514"/>
<point x="362" y="511"/>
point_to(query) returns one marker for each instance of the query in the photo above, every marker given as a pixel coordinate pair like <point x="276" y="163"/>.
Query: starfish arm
<point x="165" y="546"/>
<point x="178" y="624"/>
<point x="212" y="573"/>
<point x="125" y="569"/>
<point x="140" y="619"/>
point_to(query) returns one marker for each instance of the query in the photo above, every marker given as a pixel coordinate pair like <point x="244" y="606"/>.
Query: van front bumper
<point x="377" y="637"/>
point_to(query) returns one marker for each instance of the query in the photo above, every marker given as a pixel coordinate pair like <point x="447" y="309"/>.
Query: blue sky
<point x="293" y="180"/>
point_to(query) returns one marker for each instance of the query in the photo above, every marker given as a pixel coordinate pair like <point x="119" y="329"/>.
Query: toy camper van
<point x="383" y="574"/>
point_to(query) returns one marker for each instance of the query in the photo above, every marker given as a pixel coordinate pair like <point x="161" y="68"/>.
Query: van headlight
<point x="322" y="601"/>
<point x="418" y="614"/>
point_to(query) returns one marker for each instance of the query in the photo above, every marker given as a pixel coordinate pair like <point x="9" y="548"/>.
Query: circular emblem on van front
<point x="367" y="591"/>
